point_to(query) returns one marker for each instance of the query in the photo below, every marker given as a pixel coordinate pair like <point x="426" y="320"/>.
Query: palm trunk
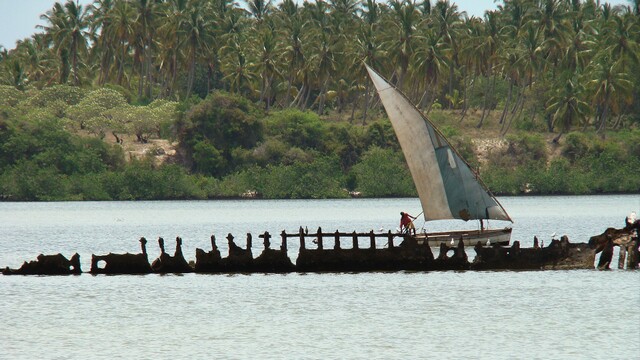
<point x="506" y="104"/>
<point x="322" y="96"/>
<point x="353" y="107"/>
<point x="367" y="102"/>
<point x="192" y="70"/>
<point x="465" y="106"/>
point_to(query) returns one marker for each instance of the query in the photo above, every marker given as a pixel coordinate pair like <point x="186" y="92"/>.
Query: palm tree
<point x="323" y="53"/>
<point x="259" y="9"/>
<point x="269" y="56"/>
<point x="368" y="49"/>
<point x="238" y="69"/>
<point x="553" y="21"/>
<point x="145" y="26"/>
<point x="294" y="26"/>
<point x="67" y="29"/>
<point x="171" y="43"/>
<point x="104" y="43"/>
<point x="121" y="29"/>
<point x="622" y="35"/>
<point x="403" y="20"/>
<point x="567" y="107"/>
<point x="194" y="28"/>
<point x="32" y="58"/>
<point x="610" y="86"/>
<point x="489" y="48"/>
<point x="431" y="62"/>
<point x="448" y="21"/>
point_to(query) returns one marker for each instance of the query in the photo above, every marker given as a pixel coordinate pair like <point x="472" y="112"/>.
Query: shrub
<point x="300" y="129"/>
<point x="382" y="173"/>
<point x="216" y="126"/>
<point x="525" y="147"/>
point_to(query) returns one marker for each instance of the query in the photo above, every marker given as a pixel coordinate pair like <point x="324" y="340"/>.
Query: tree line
<point x="571" y="63"/>
<point x="264" y="97"/>
<point x="52" y="148"/>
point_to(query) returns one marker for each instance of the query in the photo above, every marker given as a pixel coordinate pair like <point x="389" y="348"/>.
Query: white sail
<point x="446" y="185"/>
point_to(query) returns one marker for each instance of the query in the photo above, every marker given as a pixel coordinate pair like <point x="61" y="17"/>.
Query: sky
<point x="18" y="18"/>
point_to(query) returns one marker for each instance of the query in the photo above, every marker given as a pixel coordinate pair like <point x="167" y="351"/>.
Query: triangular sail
<point x="446" y="185"/>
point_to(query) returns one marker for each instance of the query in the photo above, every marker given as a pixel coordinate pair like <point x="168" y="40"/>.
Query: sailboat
<point x="447" y="186"/>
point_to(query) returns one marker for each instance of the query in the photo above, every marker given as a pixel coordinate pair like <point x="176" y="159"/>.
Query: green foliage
<point x="208" y="159"/>
<point x="526" y="147"/>
<point x="94" y="111"/>
<point x="321" y="178"/>
<point x="70" y="95"/>
<point x="590" y="166"/>
<point x="380" y="133"/>
<point x="10" y="96"/>
<point x="346" y="141"/>
<point x="383" y="172"/>
<point x="576" y="145"/>
<point x="272" y="150"/>
<point x="215" y="127"/>
<point x="297" y="128"/>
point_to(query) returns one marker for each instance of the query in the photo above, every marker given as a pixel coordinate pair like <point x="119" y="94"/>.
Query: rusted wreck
<point x="626" y="239"/>
<point x="115" y="264"/>
<point x="48" y="265"/>
<point x="354" y="252"/>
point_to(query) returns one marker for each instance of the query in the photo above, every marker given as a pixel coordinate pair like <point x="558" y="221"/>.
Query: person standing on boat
<point x="406" y="223"/>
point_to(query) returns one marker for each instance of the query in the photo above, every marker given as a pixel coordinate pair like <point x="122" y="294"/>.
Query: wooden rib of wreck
<point x="626" y="239"/>
<point x="48" y="265"/>
<point x="115" y="264"/>
<point x="402" y="252"/>
<point x="166" y="263"/>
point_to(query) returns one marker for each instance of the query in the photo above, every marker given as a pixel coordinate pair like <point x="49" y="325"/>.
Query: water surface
<point x="488" y="315"/>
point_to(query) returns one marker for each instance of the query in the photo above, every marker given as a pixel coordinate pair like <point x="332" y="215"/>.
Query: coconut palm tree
<point x="367" y="48"/>
<point x="67" y="29"/>
<point x="121" y="28"/>
<point x="553" y="20"/>
<point x="567" y="106"/>
<point x="171" y="43"/>
<point x="431" y="63"/>
<point x="294" y="27"/>
<point x="402" y="21"/>
<point x="489" y="48"/>
<point x="621" y="36"/>
<point x="147" y="12"/>
<point x="195" y="30"/>
<point x="269" y="56"/>
<point x="259" y="9"/>
<point x="104" y="43"/>
<point x="610" y="87"/>
<point x="449" y="23"/>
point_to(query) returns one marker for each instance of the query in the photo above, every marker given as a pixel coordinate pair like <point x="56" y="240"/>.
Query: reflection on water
<point x="496" y="315"/>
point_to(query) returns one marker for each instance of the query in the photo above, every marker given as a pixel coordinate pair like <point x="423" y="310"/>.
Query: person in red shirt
<point x="406" y="223"/>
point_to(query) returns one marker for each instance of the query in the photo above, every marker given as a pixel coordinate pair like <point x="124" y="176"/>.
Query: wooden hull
<point x="469" y="237"/>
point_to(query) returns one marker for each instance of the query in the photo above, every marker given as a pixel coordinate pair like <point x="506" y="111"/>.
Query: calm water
<point x="490" y="315"/>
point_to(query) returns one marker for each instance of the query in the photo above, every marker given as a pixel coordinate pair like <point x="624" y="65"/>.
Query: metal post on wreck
<point x="622" y="257"/>
<point x="372" y="239"/>
<point x="319" y="234"/>
<point x="283" y="235"/>
<point x="390" y="236"/>
<point x="302" y="245"/>
<point x="336" y="244"/>
<point x="249" y="241"/>
<point x="266" y="240"/>
<point x="214" y="247"/>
